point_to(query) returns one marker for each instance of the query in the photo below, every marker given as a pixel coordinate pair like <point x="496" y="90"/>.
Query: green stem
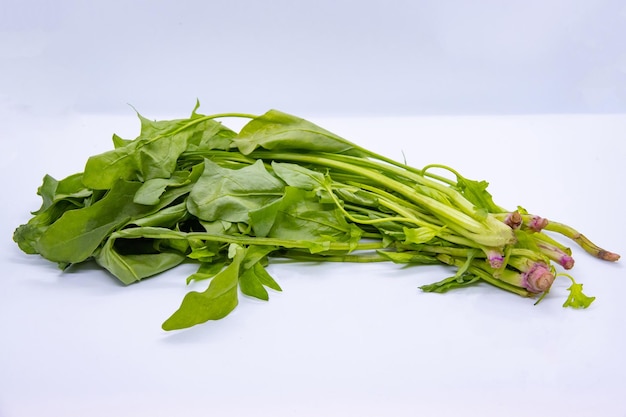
<point x="583" y="241"/>
<point x="484" y="275"/>
<point x="365" y="221"/>
<point x="164" y="233"/>
<point x="416" y="176"/>
<point x="195" y="121"/>
<point x="352" y="258"/>
<point x="492" y="233"/>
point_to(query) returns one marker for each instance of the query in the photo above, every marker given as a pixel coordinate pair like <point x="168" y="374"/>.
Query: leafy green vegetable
<point x="193" y="190"/>
<point x="230" y="194"/>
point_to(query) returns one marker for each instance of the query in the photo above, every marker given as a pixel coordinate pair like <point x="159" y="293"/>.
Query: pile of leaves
<point x="193" y="190"/>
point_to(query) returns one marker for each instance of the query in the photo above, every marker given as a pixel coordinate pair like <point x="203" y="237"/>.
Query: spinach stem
<point x="164" y="233"/>
<point x="492" y="232"/>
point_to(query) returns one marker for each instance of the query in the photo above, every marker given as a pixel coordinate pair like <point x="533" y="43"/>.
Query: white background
<point x="528" y="95"/>
<point x="324" y="57"/>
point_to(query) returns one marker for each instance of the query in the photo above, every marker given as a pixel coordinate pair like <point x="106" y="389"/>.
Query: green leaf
<point x="230" y="194"/>
<point x="27" y="235"/>
<point x="153" y="154"/>
<point x="265" y="278"/>
<point x="420" y="235"/>
<point x="151" y="190"/>
<point x="215" y="136"/>
<point x="215" y="303"/>
<point x="298" y="176"/>
<point x="69" y="189"/>
<point x="167" y="217"/>
<point x="75" y="236"/>
<point x="207" y="271"/>
<point x="256" y="254"/>
<point x="355" y="195"/>
<point x="255" y="277"/>
<point x="220" y="227"/>
<point x="299" y="216"/>
<point x="451" y="283"/>
<point x="408" y="257"/>
<point x="276" y="130"/>
<point x="119" y="142"/>
<point x="132" y="267"/>
<point x="576" y="298"/>
<point x="47" y="191"/>
<point x="251" y="285"/>
<point x="57" y="197"/>
<point x="476" y="192"/>
<point x="262" y="219"/>
<point x="205" y="253"/>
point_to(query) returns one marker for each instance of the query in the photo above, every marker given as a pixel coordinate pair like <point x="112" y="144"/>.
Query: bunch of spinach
<point x="193" y="190"/>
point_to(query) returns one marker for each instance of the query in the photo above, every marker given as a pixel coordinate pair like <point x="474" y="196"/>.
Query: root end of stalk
<point x="514" y="220"/>
<point x="567" y="262"/>
<point x="544" y="282"/>
<point x="607" y="256"/>
<point x="538" y="278"/>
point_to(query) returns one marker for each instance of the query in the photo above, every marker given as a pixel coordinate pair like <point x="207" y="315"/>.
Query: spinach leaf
<point x="230" y="194"/>
<point x="216" y="302"/>
<point x="153" y="154"/>
<point x="70" y="188"/>
<point x="298" y="176"/>
<point x="276" y="130"/>
<point x="132" y="267"/>
<point x="251" y="284"/>
<point x="207" y="270"/>
<point x="167" y="217"/>
<point x="451" y="283"/>
<point x="299" y="216"/>
<point x="151" y="190"/>
<point x="77" y="233"/>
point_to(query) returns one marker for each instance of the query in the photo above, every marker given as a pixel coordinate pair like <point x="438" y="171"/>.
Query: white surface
<point x="320" y="57"/>
<point x="340" y="339"/>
